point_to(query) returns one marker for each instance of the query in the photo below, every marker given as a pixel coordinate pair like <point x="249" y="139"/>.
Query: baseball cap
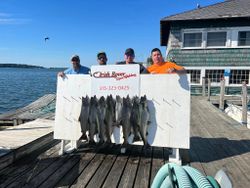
<point x="101" y="53"/>
<point x="75" y="58"/>
<point x="129" y="51"/>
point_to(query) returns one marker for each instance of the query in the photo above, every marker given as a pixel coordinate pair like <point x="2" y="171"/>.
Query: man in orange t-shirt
<point x="161" y="67"/>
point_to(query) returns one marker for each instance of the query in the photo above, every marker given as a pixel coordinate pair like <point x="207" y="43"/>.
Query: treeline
<point x="11" y="65"/>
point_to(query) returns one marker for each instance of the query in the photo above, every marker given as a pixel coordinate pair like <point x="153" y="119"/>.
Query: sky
<point x="83" y="27"/>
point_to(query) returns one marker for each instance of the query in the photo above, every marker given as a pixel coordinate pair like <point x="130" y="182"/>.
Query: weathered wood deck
<point x="18" y="141"/>
<point x="101" y="167"/>
<point x="44" y="107"/>
<point x="217" y="141"/>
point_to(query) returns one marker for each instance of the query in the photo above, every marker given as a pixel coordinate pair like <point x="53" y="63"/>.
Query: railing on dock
<point x="222" y="100"/>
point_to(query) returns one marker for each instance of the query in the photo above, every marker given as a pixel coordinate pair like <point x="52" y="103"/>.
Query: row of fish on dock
<point x="99" y="116"/>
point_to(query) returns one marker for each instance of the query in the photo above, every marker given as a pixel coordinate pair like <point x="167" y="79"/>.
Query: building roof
<point x="226" y="9"/>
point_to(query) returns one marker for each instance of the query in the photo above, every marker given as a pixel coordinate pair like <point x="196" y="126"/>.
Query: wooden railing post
<point x="203" y="86"/>
<point x="222" y="94"/>
<point x="244" y="103"/>
<point x="208" y="89"/>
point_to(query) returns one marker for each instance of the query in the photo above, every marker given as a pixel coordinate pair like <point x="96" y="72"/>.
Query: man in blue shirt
<point x="77" y="68"/>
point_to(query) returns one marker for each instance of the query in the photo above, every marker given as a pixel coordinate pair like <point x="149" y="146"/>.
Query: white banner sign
<point x="168" y="101"/>
<point x="120" y="80"/>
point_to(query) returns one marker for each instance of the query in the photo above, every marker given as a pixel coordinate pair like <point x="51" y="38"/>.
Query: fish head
<point x="85" y="101"/>
<point x="102" y="102"/>
<point x="144" y="101"/>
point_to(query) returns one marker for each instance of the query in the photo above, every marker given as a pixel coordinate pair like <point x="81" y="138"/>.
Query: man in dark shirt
<point x="129" y="59"/>
<point x="102" y="58"/>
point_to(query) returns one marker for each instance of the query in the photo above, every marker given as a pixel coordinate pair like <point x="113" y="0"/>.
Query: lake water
<point x="21" y="86"/>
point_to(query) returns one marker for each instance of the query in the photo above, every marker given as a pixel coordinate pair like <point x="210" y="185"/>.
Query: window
<point x="244" y="38"/>
<point x="214" y="75"/>
<point x="238" y="76"/>
<point x="216" y="38"/>
<point x="192" y="39"/>
<point x="195" y="76"/>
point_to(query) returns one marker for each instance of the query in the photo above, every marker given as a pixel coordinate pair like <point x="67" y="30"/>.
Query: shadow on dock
<point x="214" y="149"/>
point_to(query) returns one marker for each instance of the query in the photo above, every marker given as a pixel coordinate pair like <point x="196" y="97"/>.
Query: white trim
<point x="203" y="72"/>
<point x="232" y="37"/>
<point x="198" y="47"/>
<point x="217" y="68"/>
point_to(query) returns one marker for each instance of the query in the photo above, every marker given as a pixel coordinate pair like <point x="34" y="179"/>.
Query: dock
<point x="217" y="142"/>
<point x="44" y="107"/>
<point x="24" y="139"/>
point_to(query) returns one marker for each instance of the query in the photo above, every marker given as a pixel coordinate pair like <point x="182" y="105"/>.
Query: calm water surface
<point x="21" y="86"/>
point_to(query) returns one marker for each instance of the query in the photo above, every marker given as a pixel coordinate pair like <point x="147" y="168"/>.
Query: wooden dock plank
<point x="22" y="171"/>
<point x="100" y="176"/>
<point x="206" y="136"/>
<point x="54" y="178"/>
<point x="46" y="173"/>
<point x="71" y="176"/>
<point x="218" y="135"/>
<point x="143" y="173"/>
<point x="157" y="162"/>
<point x="113" y="177"/>
<point x="15" y="139"/>
<point x="130" y="171"/>
<point x="232" y="149"/>
<point x="89" y="171"/>
<point x="201" y="144"/>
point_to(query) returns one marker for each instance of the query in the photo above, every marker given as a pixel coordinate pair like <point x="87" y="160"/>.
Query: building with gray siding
<point x="211" y="42"/>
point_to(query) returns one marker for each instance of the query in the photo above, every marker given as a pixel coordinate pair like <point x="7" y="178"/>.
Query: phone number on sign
<point x="113" y="88"/>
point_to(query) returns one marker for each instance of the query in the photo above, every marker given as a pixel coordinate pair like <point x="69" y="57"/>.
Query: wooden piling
<point x="244" y="103"/>
<point x="203" y="86"/>
<point x="208" y="89"/>
<point x="222" y="94"/>
<point x="17" y="122"/>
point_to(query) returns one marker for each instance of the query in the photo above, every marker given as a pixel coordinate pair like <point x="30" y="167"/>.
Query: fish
<point x="118" y="110"/>
<point x="84" y="116"/>
<point x="102" y="113"/>
<point x="109" y="117"/>
<point x="125" y="120"/>
<point x="144" y="111"/>
<point x="94" y="119"/>
<point x="135" y="118"/>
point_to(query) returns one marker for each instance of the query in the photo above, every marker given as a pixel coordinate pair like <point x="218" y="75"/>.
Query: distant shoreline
<point x="10" y="65"/>
<point x="13" y="65"/>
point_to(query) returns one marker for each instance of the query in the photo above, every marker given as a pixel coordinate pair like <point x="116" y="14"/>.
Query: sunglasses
<point x="102" y="57"/>
<point x="131" y="55"/>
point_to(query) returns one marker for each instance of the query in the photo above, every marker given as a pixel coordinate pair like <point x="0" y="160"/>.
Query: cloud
<point x="4" y="14"/>
<point x="12" y="21"/>
<point x="8" y="19"/>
